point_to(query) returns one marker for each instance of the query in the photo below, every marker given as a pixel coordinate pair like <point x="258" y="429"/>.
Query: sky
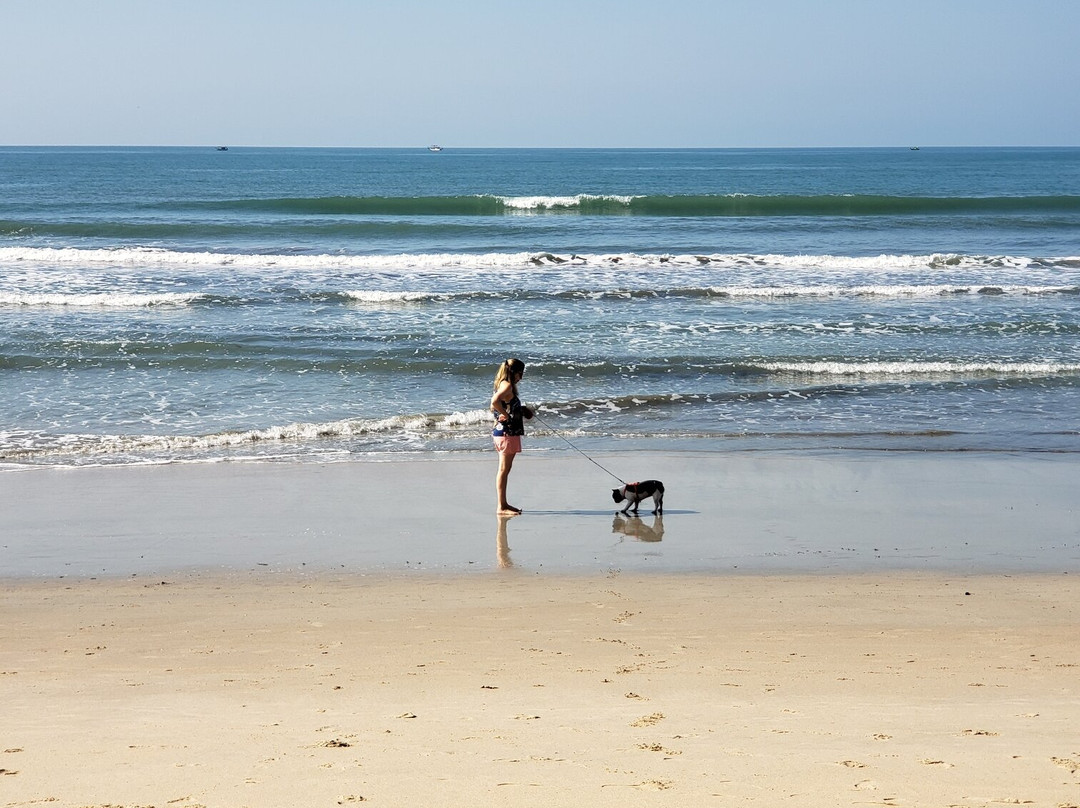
<point x="556" y="73"/>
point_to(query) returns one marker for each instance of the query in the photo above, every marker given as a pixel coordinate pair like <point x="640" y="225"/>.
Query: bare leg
<point x="506" y="462"/>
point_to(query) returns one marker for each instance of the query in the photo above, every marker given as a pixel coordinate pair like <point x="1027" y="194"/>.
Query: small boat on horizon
<point x="222" y="148"/>
<point x="434" y="148"/>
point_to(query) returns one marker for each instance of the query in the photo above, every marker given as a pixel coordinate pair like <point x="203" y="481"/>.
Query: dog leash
<point x="576" y="449"/>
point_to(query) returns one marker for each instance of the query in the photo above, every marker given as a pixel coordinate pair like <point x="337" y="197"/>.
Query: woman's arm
<point x="498" y="401"/>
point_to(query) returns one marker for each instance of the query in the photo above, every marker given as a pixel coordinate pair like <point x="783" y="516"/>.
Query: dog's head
<point x="617" y="494"/>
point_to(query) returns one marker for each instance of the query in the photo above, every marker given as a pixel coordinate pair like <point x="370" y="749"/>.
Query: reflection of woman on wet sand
<point x="502" y="545"/>
<point x="509" y="426"/>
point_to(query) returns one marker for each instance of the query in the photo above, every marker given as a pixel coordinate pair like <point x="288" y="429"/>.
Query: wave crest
<point x="698" y="205"/>
<point x="139" y="257"/>
<point x="100" y="299"/>
<point x="900" y="368"/>
<point x="27" y="449"/>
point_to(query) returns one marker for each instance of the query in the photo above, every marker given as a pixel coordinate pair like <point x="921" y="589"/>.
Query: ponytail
<point x="507" y="371"/>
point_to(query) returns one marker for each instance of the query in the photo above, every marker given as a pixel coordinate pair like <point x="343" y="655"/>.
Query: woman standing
<point x="509" y="426"/>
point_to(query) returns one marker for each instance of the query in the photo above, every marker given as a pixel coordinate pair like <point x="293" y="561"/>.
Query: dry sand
<point x="515" y="689"/>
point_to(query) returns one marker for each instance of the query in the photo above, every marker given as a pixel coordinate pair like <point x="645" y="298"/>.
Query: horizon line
<point x="229" y="146"/>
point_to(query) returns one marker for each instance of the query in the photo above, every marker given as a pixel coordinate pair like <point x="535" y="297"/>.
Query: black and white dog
<point x="634" y="493"/>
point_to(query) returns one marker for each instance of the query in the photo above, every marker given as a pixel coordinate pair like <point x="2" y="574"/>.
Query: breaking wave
<point x="100" y="300"/>
<point x="143" y="257"/>
<point x="739" y="205"/>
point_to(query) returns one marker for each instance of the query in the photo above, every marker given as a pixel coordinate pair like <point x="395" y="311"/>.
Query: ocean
<point x="165" y="305"/>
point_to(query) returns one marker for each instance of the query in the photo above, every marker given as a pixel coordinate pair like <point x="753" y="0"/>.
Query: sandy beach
<point x="528" y="690"/>
<point x="798" y="630"/>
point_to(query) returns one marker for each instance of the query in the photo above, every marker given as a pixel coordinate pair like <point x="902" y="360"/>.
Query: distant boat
<point x="222" y="148"/>
<point x="914" y="148"/>
<point x="434" y="148"/>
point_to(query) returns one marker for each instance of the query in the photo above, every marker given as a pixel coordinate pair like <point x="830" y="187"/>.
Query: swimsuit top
<point x="514" y="424"/>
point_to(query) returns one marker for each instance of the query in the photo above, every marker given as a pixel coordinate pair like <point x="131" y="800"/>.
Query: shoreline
<point x="776" y="513"/>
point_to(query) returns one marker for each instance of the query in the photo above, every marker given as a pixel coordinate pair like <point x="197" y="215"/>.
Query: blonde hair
<point x="507" y="371"/>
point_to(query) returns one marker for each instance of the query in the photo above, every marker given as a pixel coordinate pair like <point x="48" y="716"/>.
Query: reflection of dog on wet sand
<point x="635" y="528"/>
<point x="634" y="493"/>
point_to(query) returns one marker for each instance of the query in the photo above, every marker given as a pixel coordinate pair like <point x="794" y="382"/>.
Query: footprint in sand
<point x="648" y="720"/>
<point x="1073" y="765"/>
<point x="655" y="747"/>
<point x="655" y="785"/>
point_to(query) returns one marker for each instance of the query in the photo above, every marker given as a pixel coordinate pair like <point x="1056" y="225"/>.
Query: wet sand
<point x="850" y="512"/>
<point x="796" y="630"/>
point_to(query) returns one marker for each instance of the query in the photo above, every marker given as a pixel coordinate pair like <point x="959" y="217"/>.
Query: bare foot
<point x="508" y="510"/>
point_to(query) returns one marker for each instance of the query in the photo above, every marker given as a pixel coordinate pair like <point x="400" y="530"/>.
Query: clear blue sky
<point x="621" y="73"/>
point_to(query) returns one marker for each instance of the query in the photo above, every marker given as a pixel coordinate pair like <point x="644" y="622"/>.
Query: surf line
<point x="576" y="449"/>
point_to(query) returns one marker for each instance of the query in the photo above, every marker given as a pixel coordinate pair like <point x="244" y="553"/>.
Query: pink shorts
<point x="508" y="444"/>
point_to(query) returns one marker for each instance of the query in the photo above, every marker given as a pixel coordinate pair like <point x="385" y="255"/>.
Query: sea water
<point x="196" y="304"/>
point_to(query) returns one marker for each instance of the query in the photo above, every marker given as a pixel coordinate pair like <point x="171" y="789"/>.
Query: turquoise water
<point x="167" y="305"/>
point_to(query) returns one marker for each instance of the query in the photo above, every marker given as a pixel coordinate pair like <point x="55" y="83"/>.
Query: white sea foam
<point x="101" y="299"/>
<point x="304" y="431"/>
<point x="142" y="257"/>
<point x="548" y="202"/>
<point x="380" y="297"/>
<point x="376" y="296"/>
<point x="886" y="290"/>
<point x="922" y="368"/>
<point x="22" y="446"/>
